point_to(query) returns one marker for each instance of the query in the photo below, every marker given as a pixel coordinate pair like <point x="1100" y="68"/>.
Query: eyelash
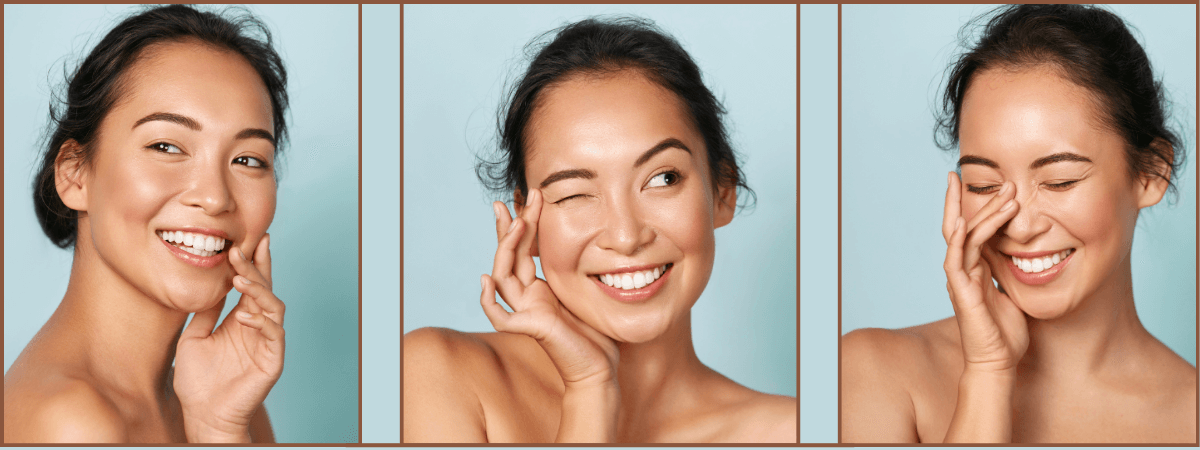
<point x="161" y="147"/>
<point x="678" y="177"/>
<point x="245" y="160"/>
<point x="1053" y="186"/>
<point x="248" y="161"/>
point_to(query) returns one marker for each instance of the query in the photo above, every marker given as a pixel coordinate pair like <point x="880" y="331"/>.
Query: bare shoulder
<point x="881" y="372"/>
<point x="769" y="418"/>
<point x="449" y="377"/>
<point x="60" y="409"/>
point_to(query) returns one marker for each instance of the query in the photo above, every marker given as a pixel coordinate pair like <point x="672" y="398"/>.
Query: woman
<point x="159" y="172"/>
<point x="1063" y="139"/>
<point x="618" y="161"/>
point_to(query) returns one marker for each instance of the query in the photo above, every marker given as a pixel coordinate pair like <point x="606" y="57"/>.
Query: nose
<point x="208" y="189"/>
<point x="1030" y="221"/>
<point x="625" y="230"/>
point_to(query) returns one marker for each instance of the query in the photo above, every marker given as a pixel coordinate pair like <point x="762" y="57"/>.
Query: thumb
<point x="203" y="322"/>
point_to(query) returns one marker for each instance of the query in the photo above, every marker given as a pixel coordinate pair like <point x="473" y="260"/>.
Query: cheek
<point x="563" y="234"/>
<point x="129" y="193"/>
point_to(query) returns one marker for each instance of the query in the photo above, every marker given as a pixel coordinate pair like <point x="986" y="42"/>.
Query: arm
<point x="875" y="406"/>
<point x="260" y="427"/>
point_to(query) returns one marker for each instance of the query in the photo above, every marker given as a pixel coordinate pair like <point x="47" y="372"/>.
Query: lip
<point x="203" y="262"/>
<point x="1040" y="278"/>
<point x="634" y="295"/>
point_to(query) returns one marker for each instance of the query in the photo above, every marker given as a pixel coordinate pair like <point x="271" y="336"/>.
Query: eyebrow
<point x="587" y="174"/>
<point x="248" y="133"/>
<point x="1058" y="157"/>
<point x="977" y="160"/>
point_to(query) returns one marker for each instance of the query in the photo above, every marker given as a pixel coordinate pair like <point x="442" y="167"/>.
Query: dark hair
<point x="98" y="82"/>
<point x="601" y="46"/>
<point x="1090" y="47"/>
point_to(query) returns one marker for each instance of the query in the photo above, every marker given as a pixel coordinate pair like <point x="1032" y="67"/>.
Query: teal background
<point x="381" y="221"/>
<point x="818" y="224"/>
<point x="456" y="60"/>
<point x="894" y="178"/>
<point x="314" y="236"/>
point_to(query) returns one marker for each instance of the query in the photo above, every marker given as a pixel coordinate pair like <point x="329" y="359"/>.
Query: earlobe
<point x="70" y="177"/>
<point x="725" y="204"/>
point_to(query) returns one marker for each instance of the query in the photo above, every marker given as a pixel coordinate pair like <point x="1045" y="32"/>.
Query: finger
<point x="1007" y="192"/>
<point x="495" y="313"/>
<point x="503" y="220"/>
<point x="952" y="210"/>
<point x="955" y="276"/>
<point x="525" y="270"/>
<point x="269" y="329"/>
<point x="984" y="231"/>
<point x="262" y="259"/>
<point x="242" y="265"/>
<point x="502" y="266"/>
<point x="203" y="322"/>
<point x="263" y="300"/>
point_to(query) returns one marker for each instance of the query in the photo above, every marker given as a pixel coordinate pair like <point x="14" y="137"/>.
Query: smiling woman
<point x="617" y="159"/>
<point x="1063" y="140"/>
<point x="159" y="172"/>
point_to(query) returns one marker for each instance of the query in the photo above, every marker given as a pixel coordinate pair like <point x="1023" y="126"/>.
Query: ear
<point x="70" y="176"/>
<point x="724" y="205"/>
<point x="519" y="206"/>
<point x="1151" y="188"/>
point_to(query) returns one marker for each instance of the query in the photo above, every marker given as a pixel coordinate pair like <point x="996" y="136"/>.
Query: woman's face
<point x="186" y="150"/>
<point x="1073" y="232"/>
<point x="625" y="178"/>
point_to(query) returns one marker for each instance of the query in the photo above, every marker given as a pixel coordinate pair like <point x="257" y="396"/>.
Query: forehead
<point x="213" y="85"/>
<point x="605" y="116"/>
<point x="1030" y="113"/>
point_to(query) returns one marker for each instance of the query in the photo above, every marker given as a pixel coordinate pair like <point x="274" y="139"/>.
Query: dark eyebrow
<point x="194" y="125"/>
<point x="658" y="148"/>
<point x="977" y="160"/>
<point x="1058" y="157"/>
<point x="168" y="117"/>
<point x="565" y="174"/>
<point x="255" y="133"/>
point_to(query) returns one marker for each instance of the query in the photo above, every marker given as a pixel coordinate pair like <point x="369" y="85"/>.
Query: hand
<point x="994" y="331"/>
<point x="222" y="376"/>
<point x="583" y="356"/>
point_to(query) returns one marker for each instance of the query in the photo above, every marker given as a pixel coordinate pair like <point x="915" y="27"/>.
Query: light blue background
<point x="381" y="221"/>
<point x="818" y="224"/>
<point x="314" y="236"/>
<point x="456" y="61"/>
<point x="894" y="178"/>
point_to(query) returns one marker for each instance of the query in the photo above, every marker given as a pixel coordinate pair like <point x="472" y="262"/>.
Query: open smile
<point x="200" y="248"/>
<point x="1038" y="268"/>
<point x="633" y="285"/>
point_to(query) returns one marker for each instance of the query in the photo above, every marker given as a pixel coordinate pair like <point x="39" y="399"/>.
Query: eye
<point x="164" y="147"/>
<point x="250" y="161"/>
<point x="981" y="189"/>
<point x="569" y="198"/>
<point x="1061" y="186"/>
<point x="663" y="179"/>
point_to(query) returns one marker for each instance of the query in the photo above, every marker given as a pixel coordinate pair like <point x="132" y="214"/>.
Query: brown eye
<point x="164" y="147"/>
<point x="663" y="179"/>
<point x="250" y="161"/>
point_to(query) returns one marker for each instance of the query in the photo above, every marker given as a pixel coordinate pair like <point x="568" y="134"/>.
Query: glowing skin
<point x="1016" y="118"/>
<point x="161" y="175"/>
<point x="628" y="216"/>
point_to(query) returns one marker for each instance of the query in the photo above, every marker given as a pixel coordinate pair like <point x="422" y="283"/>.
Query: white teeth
<point x="196" y="244"/>
<point x="1036" y="265"/>
<point x="633" y="280"/>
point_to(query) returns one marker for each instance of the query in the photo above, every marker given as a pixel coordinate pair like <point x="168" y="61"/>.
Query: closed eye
<point x="981" y="189"/>
<point x="569" y="198"/>
<point x="1061" y="186"/>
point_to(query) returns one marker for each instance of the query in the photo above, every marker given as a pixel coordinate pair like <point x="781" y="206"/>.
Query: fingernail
<point x="1009" y="205"/>
<point x="243" y="314"/>
<point x="949" y="179"/>
<point x="240" y="279"/>
<point x="241" y="254"/>
<point x="496" y="211"/>
<point x="482" y="283"/>
<point x="513" y="225"/>
<point x="1003" y="188"/>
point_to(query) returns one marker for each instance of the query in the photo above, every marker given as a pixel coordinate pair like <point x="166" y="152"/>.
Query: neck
<point x="126" y="339"/>
<point x="658" y="378"/>
<point x="1101" y="334"/>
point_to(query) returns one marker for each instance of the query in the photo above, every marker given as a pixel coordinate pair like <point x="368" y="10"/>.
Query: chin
<point x="195" y="297"/>
<point x="640" y="329"/>
<point x="1043" y="306"/>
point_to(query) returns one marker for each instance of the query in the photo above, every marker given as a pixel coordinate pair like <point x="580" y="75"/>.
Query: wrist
<point x="199" y="431"/>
